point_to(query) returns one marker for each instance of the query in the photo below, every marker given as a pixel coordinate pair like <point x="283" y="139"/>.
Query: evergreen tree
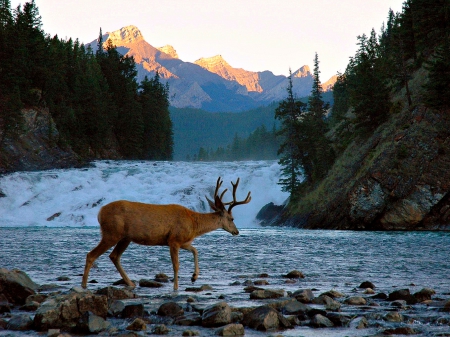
<point x="290" y="112"/>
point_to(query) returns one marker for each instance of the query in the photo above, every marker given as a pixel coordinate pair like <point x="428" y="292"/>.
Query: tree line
<point x="383" y="64"/>
<point x="93" y="98"/>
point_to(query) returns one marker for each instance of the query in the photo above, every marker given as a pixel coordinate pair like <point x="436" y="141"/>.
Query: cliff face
<point x="36" y="148"/>
<point x="397" y="179"/>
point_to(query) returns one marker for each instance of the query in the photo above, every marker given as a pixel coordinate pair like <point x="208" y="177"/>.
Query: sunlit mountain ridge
<point x="209" y="83"/>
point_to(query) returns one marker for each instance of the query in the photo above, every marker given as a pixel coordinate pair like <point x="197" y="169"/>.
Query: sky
<point x="255" y="35"/>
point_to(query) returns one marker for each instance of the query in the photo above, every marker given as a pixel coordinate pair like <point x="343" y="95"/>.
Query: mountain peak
<point x="302" y="72"/>
<point x="212" y="62"/>
<point x="125" y="35"/>
<point x="169" y="50"/>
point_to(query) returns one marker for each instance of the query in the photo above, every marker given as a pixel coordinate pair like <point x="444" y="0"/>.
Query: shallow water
<point x="48" y="224"/>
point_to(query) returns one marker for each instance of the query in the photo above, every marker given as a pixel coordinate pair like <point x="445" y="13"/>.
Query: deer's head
<point x="226" y="217"/>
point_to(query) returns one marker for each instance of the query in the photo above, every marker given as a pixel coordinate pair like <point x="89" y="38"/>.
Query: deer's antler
<point x="234" y="202"/>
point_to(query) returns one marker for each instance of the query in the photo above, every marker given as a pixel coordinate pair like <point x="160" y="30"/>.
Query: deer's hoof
<point x="194" y="277"/>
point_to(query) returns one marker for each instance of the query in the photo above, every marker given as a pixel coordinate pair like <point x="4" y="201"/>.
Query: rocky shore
<point x="29" y="309"/>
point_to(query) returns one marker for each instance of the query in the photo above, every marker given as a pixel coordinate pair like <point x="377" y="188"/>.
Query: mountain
<point x="211" y="83"/>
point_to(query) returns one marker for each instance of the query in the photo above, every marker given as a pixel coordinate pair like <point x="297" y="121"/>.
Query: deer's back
<point x="146" y="224"/>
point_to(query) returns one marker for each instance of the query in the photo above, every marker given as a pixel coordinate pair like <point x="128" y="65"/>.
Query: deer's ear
<point x="211" y="204"/>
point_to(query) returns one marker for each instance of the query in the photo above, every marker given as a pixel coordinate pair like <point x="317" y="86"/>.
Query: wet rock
<point x="216" y="315"/>
<point x="91" y="323"/>
<point x="113" y="293"/>
<point x="424" y="294"/>
<point x="236" y="316"/>
<point x="367" y="284"/>
<point x="235" y="283"/>
<point x="63" y="278"/>
<point x="29" y="306"/>
<point x="231" y="330"/>
<point x="53" y="332"/>
<point x="267" y="293"/>
<point x="399" y="304"/>
<point x="402" y="294"/>
<point x="393" y="316"/>
<point x="400" y="331"/>
<point x="319" y="321"/>
<point x="262" y="318"/>
<point x="330" y="304"/>
<point x="333" y="294"/>
<point x="339" y="319"/>
<point x="295" y="308"/>
<point x="3" y="324"/>
<point x="294" y="274"/>
<point x="20" y="323"/>
<point x="161" y="277"/>
<point x="380" y="296"/>
<point x="303" y="295"/>
<point x="64" y="311"/>
<point x="199" y="289"/>
<point x="369" y="291"/>
<point x="139" y="325"/>
<point x="133" y="310"/>
<point x="126" y="308"/>
<point x="252" y="288"/>
<point x="190" y="333"/>
<point x="359" y="323"/>
<point x="261" y="282"/>
<point x="16" y="286"/>
<point x="160" y="329"/>
<point x="39" y="298"/>
<point x="447" y="306"/>
<point x="355" y="300"/>
<point x="170" y="309"/>
<point x="5" y="306"/>
<point x="188" y="319"/>
<point x="150" y="284"/>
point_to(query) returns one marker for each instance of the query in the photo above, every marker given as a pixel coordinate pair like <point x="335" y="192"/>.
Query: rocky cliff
<point x="397" y="179"/>
<point x="36" y="148"/>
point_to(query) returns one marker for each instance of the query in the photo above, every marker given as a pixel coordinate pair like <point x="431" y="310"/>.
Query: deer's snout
<point x="235" y="232"/>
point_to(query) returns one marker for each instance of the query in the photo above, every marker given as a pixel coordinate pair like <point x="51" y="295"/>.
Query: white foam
<point x="77" y="194"/>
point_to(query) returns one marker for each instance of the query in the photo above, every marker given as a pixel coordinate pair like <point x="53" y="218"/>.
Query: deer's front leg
<point x="175" y="263"/>
<point x="196" y="268"/>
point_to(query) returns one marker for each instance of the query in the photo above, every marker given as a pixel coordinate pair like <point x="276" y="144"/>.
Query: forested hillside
<point x="389" y="130"/>
<point x="94" y="106"/>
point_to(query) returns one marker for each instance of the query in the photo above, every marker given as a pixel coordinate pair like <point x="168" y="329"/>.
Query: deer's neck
<point x="206" y="223"/>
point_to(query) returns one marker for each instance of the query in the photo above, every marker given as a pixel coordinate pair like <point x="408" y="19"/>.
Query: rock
<point x="400" y="331"/>
<point x="399" y="304"/>
<point x="91" y="323"/>
<point x="39" y="298"/>
<point x="231" y="330"/>
<point x="53" y="332"/>
<point x="380" y="296"/>
<point x="355" y="300"/>
<point x="393" y="316"/>
<point x="138" y="325"/>
<point x="20" y="323"/>
<point x="252" y="288"/>
<point x="216" y="315"/>
<point x="63" y="278"/>
<point x="133" y="310"/>
<point x="339" y="319"/>
<point x="170" y="309"/>
<point x="268" y="213"/>
<point x="329" y="303"/>
<point x="262" y="318"/>
<point x="5" y="306"/>
<point x="64" y="311"/>
<point x="294" y="274"/>
<point x="295" y="308"/>
<point x="30" y="306"/>
<point x="161" y="277"/>
<point x="190" y="333"/>
<point x="424" y="294"/>
<point x="16" y="286"/>
<point x="267" y="293"/>
<point x="149" y="284"/>
<point x="359" y="323"/>
<point x="447" y="306"/>
<point x="303" y="295"/>
<point x="402" y="294"/>
<point x="367" y="284"/>
<point x="369" y="291"/>
<point x="113" y="293"/>
<point x="160" y="329"/>
<point x="261" y="282"/>
<point x="188" y="319"/>
<point x="126" y="308"/>
<point x="236" y="316"/>
<point x="333" y="294"/>
<point x="198" y="289"/>
<point x="319" y="321"/>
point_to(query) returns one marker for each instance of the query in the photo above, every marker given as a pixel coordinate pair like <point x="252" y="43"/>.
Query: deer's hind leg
<point x="192" y="249"/>
<point x="93" y="255"/>
<point x="115" y="258"/>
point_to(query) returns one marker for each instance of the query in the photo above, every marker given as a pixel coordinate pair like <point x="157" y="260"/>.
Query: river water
<point x="48" y="224"/>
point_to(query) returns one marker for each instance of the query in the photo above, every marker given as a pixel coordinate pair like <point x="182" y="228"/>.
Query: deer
<point x="122" y="222"/>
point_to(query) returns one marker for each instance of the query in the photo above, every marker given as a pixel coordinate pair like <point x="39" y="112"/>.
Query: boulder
<point x="355" y="300"/>
<point x="137" y="325"/>
<point x="295" y="308"/>
<point x="231" y="330"/>
<point x="161" y="277"/>
<point x="267" y="293"/>
<point x="20" y="323"/>
<point x="16" y="286"/>
<point x="64" y="311"/>
<point x="333" y="294"/>
<point x="402" y="294"/>
<point x="319" y="321"/>
<point x="339" y="319"/>
<point x="170" y="309"/>
<point x="303" y="295"/>
<point x="91" y="323"/>
<point x="126" y="308"/>
<point x="424" y="294"/>
<point x="294" y="274"/>
<point x="188" y="319"/>
<point x="215" y="315"/>
<point x="330" y="304"/>
<point x="199" y="289"/>
<point x="403" y="330"/>
<point x="393" y="316"/>
<point x="359" y="323"/>
<point x="160" y="329"/>
<point x="150" y="284"/>
<point x="263" y="318"/>
<point x="367" y="284"/>
<point x="113" y="293"/>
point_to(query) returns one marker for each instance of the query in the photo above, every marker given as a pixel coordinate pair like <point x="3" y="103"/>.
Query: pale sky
<point x="255" y="35"/>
